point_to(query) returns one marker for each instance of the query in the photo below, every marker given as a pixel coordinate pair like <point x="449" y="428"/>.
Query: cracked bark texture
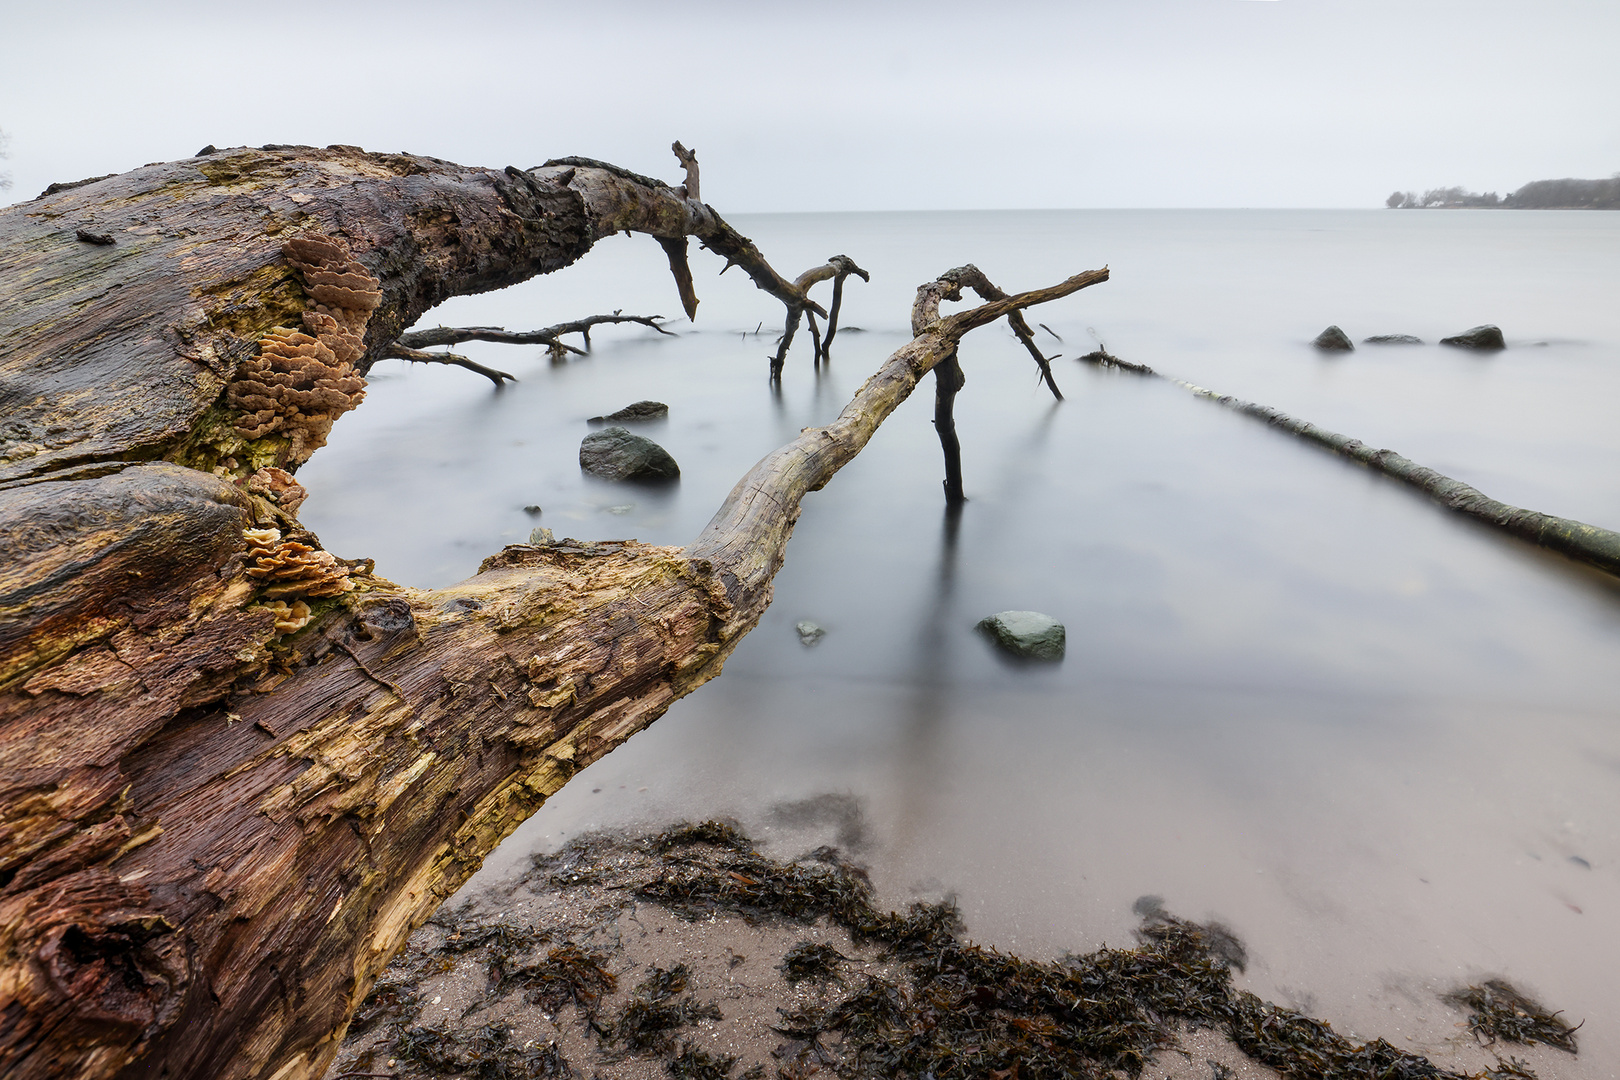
<point x="224" y="806"/>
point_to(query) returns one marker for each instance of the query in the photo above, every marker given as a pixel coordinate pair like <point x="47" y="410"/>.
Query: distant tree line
<point x="1536" y="195"/>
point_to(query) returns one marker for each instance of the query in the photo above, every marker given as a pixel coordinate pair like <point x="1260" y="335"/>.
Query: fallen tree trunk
<point x="236" y="771"/>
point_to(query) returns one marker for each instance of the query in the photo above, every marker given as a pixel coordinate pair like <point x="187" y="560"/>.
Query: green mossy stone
<point x="1026" y="633"/>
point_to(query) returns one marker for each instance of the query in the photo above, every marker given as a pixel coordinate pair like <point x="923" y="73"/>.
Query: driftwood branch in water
<point x="971" y="277"/>
<point x="837" y="268"/>
<point x="397" y="351"/>
<point x="235" y="770"/>
<point x="949" y="377"/>
<point x="551" y="335"/>
<point x="1589" y="544"/>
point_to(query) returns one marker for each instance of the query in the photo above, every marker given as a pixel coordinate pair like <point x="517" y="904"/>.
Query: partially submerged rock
<point x="639" y="412"/>
<point x="1026" y="633"/>
<point x="1392" y="339"/>
<point x="1485" y="337"/>
<point x="1333" y="340"/>
<point x="615" y="454"/>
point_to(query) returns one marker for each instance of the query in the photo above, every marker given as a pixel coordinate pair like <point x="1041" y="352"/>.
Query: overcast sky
<point x="843" y="105"/>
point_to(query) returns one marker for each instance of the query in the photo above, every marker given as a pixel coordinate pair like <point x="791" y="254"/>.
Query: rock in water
<point x="615" y="454"/>
<point x="638" y="413"/>
<point x="1392" y="339"/>
<point x="1480" y="337"/>
<point x="1026" y="633"/>
<point x="1333" y="340"/>
<point x="809" y="633"/>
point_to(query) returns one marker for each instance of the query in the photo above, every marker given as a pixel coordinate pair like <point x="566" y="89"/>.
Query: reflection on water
<point x="1378" y="742"/>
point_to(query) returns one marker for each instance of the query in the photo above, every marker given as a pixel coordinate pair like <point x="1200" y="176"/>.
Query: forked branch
<point x="971" y="277"/>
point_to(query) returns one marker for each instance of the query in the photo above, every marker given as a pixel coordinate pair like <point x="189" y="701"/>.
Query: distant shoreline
<point x="1567" y="194"/>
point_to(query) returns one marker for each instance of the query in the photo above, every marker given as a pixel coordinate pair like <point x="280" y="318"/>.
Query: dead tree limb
<point x="838" y="300"/>
<point x="836" y="268"/>
<point x="550" y="336"/>
<point x="971" y="277"/>
<point x="397" y="351"/>
<point x="1589" y="544"/>
<point x="235" y="770"/>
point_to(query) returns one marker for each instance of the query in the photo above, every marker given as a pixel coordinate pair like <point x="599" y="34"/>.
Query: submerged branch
<point x="1589" y="544"/>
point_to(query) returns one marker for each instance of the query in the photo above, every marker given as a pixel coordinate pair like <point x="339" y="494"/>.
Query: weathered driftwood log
<point x="235" y="770"/>
<point x="1590" y="544"/>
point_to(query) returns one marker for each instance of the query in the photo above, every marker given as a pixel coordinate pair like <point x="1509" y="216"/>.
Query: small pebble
<point x="531" y="510"/>
<point x="809" y="633"/>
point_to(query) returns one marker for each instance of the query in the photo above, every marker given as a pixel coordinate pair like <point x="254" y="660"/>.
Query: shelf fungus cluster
<point x="278" y="486"/>
<point x="288" y="568"/>
<point x="303" y="380"/>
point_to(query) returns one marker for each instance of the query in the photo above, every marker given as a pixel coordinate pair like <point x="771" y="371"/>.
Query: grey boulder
<point x="1480" y="337"/>
<point x="1333" y="340"/>
<point x="1026" y="633"/>
<point x="810" y="634"/>
<point x="1393" y="339"/>
<point x="638" y="413"/>
<point x="615" y="454"/>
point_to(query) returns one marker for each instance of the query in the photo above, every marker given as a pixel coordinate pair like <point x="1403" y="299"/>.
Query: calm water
<point x="1381" y="743"/>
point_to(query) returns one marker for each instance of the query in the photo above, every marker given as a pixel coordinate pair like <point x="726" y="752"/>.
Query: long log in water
<point x="1589" y="544"/>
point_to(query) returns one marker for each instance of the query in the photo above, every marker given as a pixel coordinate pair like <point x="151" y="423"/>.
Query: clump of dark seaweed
<point x="388" y="1001"/>
<point x="648" y="1022"/>
<point x="810" y="960"/>
<point x="695" y="1063"/>
<point x="1498" y="1010"/>
<point x="717" y="833"/>
<point x="568" y="973"/>
<point x="485" y="1053"/>
<point x="754" y="886"/>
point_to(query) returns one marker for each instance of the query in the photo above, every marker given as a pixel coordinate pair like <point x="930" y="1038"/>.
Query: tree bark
<point x="235" y="771"/>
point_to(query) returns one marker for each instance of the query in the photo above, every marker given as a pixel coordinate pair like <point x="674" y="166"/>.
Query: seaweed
<point x="485" y="1053"/>
<point x="388" y="1000"/>
<point x="694" y="1063"/>
<point x="810" y="960"/>
<point x="718" y="833"/>
<point x="568" y="973"/>
<point x="647" y="1023"/>
<point x="1501" y="1011"/>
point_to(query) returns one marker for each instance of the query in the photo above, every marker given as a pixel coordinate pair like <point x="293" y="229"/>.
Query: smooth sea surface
<point x="1378" y="741"/>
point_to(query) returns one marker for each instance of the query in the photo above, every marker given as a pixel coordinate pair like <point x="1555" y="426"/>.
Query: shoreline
<point x="686" y="953"/>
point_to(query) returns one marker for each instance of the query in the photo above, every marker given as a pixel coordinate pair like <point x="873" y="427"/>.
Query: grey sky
<point x="845" y="105"/>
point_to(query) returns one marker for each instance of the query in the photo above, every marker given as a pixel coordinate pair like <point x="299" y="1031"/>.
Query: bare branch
<point x="972" y="277"/>
<point x="689" y="162"/>
<point x="551" y="335"/>
<point x="747" y="538"/>
<point x="681" y="270"/>
<point x="419" y="356"/>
